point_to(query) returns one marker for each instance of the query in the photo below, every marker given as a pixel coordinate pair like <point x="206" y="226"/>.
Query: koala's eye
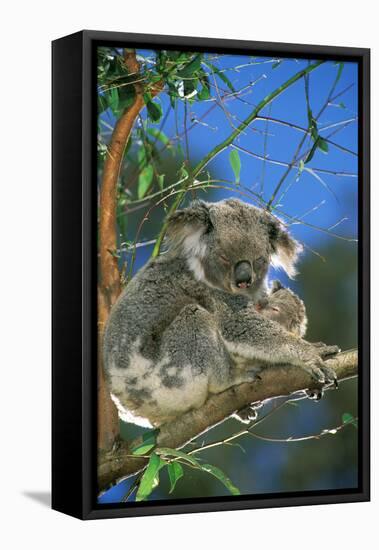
<point x="275" y="309"/>
<point x="224" y="260"/>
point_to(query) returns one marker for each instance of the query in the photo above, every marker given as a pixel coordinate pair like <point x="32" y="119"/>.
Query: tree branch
<point x="278" y="381"/>
<point x="228" y="141"/>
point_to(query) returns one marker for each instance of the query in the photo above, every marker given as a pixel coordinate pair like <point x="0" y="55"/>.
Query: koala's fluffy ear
<point x="275" y="286"/>
<point x="285" y="249"/>
<point x="186" y="226"/>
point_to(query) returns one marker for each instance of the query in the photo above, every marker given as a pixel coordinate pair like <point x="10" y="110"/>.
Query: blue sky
<point x="319" y="199"/>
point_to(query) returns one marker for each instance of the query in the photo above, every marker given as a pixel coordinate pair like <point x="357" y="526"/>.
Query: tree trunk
<point x="109" y="284"/>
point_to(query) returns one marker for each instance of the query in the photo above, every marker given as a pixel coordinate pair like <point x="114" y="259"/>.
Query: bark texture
<point x="109" y="284"/>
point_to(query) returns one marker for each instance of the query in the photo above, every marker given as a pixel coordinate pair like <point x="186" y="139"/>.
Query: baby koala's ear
<point x="275" y="286"/>
<point x="285" y="249"/>
<point x="186" y="226"/>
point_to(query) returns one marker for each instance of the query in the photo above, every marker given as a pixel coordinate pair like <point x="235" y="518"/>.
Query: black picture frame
<point x="74" y="275"/>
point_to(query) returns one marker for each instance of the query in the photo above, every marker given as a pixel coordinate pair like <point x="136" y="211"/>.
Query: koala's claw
<point x="253" y="374"/>
<point x="323" y="374"/>
<point x="324" y="350"/>
<point x="248" y="414"/>
<point x="315" y="394"/>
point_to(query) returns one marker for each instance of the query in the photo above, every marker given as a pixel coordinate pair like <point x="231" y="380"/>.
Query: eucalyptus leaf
<point x="348" y="418"/>
<point x="144" y="180"/>
<point x="113" y="100"/>
<point x="235" y="163"/>
<point x="311" y="152"/>
<point x="219" y="474"/>
<point x="204" y="93"/>
<point x="127" y="96"/>
<point x="166" y="451"/>
<point x="175" y="472"/>
<point x="221" y="75"/>
<point x="149" y="440"/>
<point x="154" y="111"/>
<point x="323" y="145"/>
<point x="150" y="478"/>
<point x="191" y="68"/>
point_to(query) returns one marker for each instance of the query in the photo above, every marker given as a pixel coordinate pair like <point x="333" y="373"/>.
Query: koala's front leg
<point x="253" y="337"/>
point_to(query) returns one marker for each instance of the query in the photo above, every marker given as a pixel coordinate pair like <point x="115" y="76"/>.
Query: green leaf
<point x="159" y="135"/>
<point x="312" y="124"/>
<point x="189" y="88"/>
<point x="154" y="111"/>
<point x="323" y="145"/>
<point x="149" y="440"/>
<point x="166" y="451"/>
<point x="222" y="76"/>
<point x="127" y="96"/>
<point x="175" y="472"/>
<point x="314" y="129"/>
<point x="204" y="93"/>
<point x="311" y="152"/>
<point x="301" y="166"/>
<point x="235" y="163"/>
<point x="219" y="474"/>
<point x="113" y="100"/>
<point x="191" y="68"/>
<point x="141" y="156"/>
<point x="150" y="478"/>
<point x="144" y="180"/>
<point x="342" y="105"/>
<point x="348" y="418"/>
<point x="183" y="172"/>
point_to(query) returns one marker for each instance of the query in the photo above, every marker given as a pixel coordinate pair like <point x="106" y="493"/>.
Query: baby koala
<point x="285" y="307"/>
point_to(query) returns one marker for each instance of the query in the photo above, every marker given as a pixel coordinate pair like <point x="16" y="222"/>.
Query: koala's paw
<point x="248" y="414"/>
<point x="324" y="350"/>
<point x="315" y="394"/>
<point x="321" y="373"/>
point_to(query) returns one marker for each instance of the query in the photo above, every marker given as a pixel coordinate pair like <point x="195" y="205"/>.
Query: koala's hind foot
<point x="248" y="414"/>
<point x="316" y="394"/>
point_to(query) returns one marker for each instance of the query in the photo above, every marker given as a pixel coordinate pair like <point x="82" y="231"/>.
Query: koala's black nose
<point x="243" y="274"/>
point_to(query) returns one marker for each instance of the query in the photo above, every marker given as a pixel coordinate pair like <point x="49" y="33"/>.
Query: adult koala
<point x="186" y="326"/>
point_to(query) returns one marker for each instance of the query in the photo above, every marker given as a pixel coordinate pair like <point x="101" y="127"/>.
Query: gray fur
<point x="286" y="308"/>
<point x="182" y="329"/>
